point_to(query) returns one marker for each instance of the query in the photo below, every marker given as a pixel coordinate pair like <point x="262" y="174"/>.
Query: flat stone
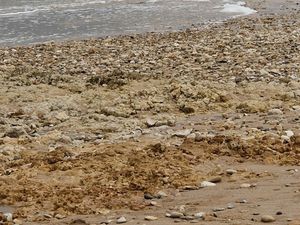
<point x="218" y="209"/>
<point x="267" y="219"/>
<point x="174" y="214"/>
<point x="245" y="185"/>
<point x="183" y="133"/>
<point x="207" y="184"/>
<point x="150" y="218"/>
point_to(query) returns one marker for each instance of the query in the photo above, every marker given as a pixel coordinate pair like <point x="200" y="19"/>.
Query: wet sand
<point x="94" y="130"/>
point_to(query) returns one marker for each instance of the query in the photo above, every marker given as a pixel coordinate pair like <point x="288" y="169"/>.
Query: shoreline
<point x="96" y="124"/>
<point x="263" y="8"/>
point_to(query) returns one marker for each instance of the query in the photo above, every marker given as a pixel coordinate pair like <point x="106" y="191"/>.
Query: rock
<point x="231" y="171"/>
<point x="121" y="219"/>
<point x="148" y="196"/>
<point x="150" y="122"/>
<point x="199" y="215"/>
<point x="78" y="222"/>
<point x="161" y="194"/>
<point x="245" y="185"/>
<point x="267" y="219"/>
<point x="207" y="184"/>
<point x="174" y="214"/>
<point x="17" y="221"/>
<point x="275" y="112"/>
<point x="62" y="116"/>
<point x="218" y="209"/>
<point x="279" y="213"/>
<point x="230" y="206"/>
<point x="15" y="132"/>
<point x="8" y="217"/>
<point x="183" y="133"/>
<point x="289" y="133"/>
<point x="59" y="216"/>
<point x="217" y="179"/>
<point x="151" y="218"/>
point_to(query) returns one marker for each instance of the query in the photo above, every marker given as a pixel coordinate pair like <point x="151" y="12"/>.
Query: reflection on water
<point x="32" y="21"/>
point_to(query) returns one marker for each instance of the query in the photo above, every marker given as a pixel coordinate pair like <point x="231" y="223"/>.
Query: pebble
<point x="59" y="216"/>
<point x="218" y="209"/>
<point x="275" y="112"/>
<point x="183" y="133"/>
<point x="289" y="133"/>
<point x="230" y="206"/>
<point x="174" y="214"/>
<point x="207" y="184"/>
<point x="231" y="171"/>
<point x="148" y="196"/>
<point x="17" y="221"/>
<point x="150" y="122"/>
<point x="267" y="219"/>
<point x="151" y="218"/>
<point x="161" y="194"/>
<point x="245" y="185"/>
<point x="8" y="217"/>
<point x="216" y="179"/>
<point x="121" y="219"/>
<point x="199" y="215"/>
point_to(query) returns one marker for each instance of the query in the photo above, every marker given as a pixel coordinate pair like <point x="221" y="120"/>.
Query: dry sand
<point x="89" y="127"/>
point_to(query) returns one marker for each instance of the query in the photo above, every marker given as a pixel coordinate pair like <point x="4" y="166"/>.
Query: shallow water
<point x="32" y="21"/>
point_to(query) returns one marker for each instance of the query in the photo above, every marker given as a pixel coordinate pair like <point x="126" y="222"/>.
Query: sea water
<point x="25" y="22"/>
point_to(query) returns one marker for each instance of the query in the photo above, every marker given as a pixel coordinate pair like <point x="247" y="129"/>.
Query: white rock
<point x="207" y="184"/>
<point x="161" y="194"/>
<point x="8" y="217"/>
<point x="199" y="215"/>
<point x="121" y="219"/>
<point x="245" y="185"/>
<point x="231" y="171"/>
<point x="289" y="133"/>
<point x="151" y="218"/>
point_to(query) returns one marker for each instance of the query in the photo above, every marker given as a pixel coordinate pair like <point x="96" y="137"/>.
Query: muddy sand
<point x="200" y="126"/>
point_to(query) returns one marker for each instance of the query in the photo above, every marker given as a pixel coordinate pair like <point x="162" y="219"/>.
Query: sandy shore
<point x="98" y="129"/>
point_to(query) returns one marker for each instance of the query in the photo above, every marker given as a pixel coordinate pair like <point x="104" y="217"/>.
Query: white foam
<point x="238" y="7"/>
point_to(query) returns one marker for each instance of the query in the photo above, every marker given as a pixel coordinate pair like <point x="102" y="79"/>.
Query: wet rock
<point x="267" y="219"/>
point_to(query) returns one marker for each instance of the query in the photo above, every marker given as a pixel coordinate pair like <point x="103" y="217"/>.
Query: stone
<point x="267" y="219"/>
<point x="15" y="132"/>
<point x="230" y="171"/>
<point x="207" y="184"/>
<point x="230" y="206"/>
<point x="148" y="196"/>
<point x="62" y="116"/>
<point x="150" y="122"/>
<point x="218" y="209"/>
<point x="121" y="219"/>
<point x="199" y="215"/>
<point x="17" y="221"/>
<point x="161" y="194"/>
<point x="183" y="133"/>
<point x="289" y="133"/>
<point x="151" y="218"/>
<point x="217" y="179"/>
<point x="275" y="112"/>
<point x="245" y="185"/>
<point x="59" y="216"/>
<point x="174" y="214"/>
<point x="8" y="217"/>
